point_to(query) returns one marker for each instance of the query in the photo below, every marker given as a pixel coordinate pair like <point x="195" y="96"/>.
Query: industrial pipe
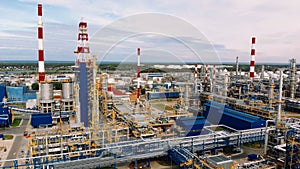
<point x="266" y="135"/>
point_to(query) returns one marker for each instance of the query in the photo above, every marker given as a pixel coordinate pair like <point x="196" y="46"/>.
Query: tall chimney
<point x="41" y="45"/>
<point x="252" y="62"/>
<point x="138" y="73"/>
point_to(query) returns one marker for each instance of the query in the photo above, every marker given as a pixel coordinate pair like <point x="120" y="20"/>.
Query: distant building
<point x="16" y="93"/>
<point x="6" y="117"/>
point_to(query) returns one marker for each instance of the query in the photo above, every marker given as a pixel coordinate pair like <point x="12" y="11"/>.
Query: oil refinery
<point x="207" y="116"/>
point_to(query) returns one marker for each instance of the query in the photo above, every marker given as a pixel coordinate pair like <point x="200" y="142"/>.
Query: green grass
<point x="169" y="108"/>
<point x="16" y="122"/>
<point x="8" y="137"/>
<point x="159" y="106"/>
<point x="162" y="107"/>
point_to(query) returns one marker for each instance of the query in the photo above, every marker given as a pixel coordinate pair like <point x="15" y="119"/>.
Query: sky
<point x="165" y="30"/>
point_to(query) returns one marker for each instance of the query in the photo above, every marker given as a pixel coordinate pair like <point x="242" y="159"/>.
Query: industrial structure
<point x="84" y="75"/>
<point x="252" y="62"/>
<point x="138" y="75"/>
<point x="196" y="119"/>
<point x="41" y="45"/>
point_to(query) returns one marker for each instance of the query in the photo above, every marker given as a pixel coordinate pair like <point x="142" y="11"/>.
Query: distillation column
<point x="83" y="74"/>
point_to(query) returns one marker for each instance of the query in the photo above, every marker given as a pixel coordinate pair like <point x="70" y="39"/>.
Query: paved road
<point x="18" y="133"/>
<point x="17" y="130"/>
<point x="246" y="152"/>
<point x="13" y="153"/>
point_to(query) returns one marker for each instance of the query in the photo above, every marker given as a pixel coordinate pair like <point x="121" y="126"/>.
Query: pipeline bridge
<point x="128" y="151"/>
<point x="21" y="110"/>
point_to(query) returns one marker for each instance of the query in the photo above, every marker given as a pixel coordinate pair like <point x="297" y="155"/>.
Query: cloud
<point x="228" y="25"/>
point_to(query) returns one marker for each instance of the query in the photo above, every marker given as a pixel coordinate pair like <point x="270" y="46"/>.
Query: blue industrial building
<point x="16" y="94"/>
<point x="166" y="86"/>
<point x="218" y="113"/>
<point x="210" y="111"/>
<point x="193" y="125"/>
<point x="2" y="92"/>
<point x="5" y="116"/>
<point x="162" y="95"/>
<point x="41" y="119"/>
<point x="13" y="94"/>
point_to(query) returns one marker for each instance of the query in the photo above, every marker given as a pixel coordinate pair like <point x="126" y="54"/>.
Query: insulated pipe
<point x="295" y="128"/>
<point x="266" y="135"/>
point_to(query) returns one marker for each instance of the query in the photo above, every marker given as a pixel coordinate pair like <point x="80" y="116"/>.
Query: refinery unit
<point x="102" y="119"/>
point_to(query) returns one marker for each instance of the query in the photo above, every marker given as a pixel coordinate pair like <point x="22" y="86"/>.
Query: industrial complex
<point x="208" y="117"/>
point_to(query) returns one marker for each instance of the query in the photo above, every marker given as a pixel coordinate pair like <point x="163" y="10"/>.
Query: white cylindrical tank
<point x="46" y="91"/>
<point x="67" y="91"/>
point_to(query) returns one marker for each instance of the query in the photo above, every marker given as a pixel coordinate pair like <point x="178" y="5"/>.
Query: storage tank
<point x="46" y="91"/>
<point x="67" y="90"/>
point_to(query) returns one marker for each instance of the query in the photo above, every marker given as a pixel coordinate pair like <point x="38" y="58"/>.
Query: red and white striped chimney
<point x="206" y="72"/>
<point x="41" y="45"/>
<point x="138" y="73"/>
<point x="214" y="73"/>
<point x="83" y="50"/>
<point x="252" y="62"/>
<point x="196" y="71"/>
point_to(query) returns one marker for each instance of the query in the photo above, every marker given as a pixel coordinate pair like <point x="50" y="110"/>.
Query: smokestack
<point x="293" y="77"/>
<point x="262" y="75"/>
<point x="252" y="62"/>
<point x="280" y="98"/>
<point x="138" y="73"/>
<point x="41" y="45"/>
<point x="237" y="66"/>
<point x="196" y="78"/>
